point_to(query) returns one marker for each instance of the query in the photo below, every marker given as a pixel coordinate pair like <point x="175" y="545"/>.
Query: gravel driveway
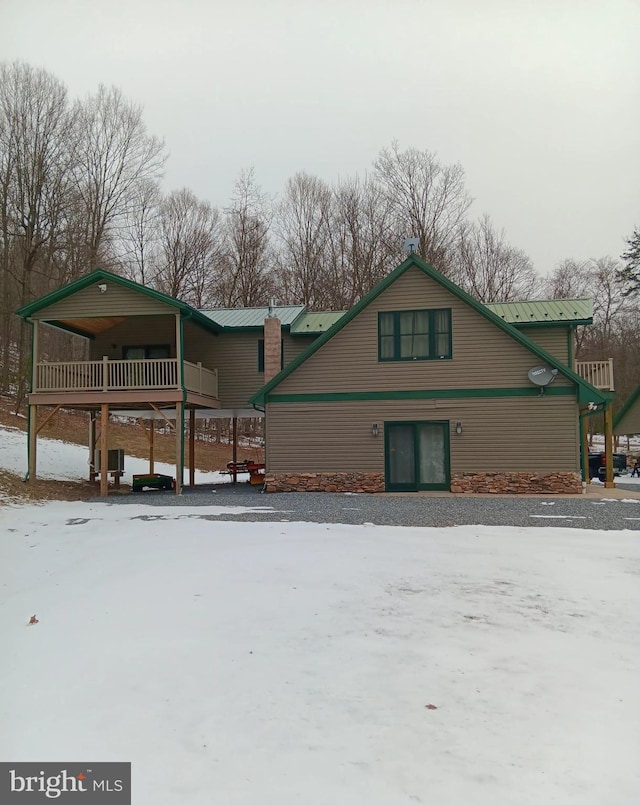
<point x="596" y="511"/>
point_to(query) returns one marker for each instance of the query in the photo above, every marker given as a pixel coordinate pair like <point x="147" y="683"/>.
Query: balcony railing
<point x="124" y="375"/>
<point x="598" y="373"/>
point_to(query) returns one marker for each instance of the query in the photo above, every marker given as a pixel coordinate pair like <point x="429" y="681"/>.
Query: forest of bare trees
<point x="81" y="187"/>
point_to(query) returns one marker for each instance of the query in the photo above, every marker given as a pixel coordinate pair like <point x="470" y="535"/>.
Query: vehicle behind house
<point x="598" y="465"/>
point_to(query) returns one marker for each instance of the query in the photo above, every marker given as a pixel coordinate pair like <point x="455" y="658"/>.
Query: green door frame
<point x="446" y="425"/>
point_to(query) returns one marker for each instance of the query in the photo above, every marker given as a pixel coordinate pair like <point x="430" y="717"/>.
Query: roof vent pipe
<point x="272" y="304"/>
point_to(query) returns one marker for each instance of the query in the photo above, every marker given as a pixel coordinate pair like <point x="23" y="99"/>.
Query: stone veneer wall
<point x="517" y="483"/>
<point x="497" y="483"/>
<point x="324" y="482"/>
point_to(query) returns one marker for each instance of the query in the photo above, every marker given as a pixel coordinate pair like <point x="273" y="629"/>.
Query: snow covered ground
<point x="62" y="461"/>
<point x="289" y="663"/>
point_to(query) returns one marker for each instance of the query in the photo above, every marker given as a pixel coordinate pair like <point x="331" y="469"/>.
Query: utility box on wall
<point x="115" y="460"/>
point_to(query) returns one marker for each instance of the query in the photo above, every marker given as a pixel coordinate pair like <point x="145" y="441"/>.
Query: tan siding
<point x="236" y="357"/>
<point x="137" y="331"/>
<point x="483" y="355"/>
<point x="116" y="301"/>
<point x="517" y="434"/>
<point x="631" y="422"/>
<point x="200" y="345"/>
<point x="294" y="346"/>
<point x="553" y="339"/>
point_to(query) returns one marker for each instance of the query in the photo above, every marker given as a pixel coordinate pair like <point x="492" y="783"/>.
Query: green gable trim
<point x="100" y="274"/>
<point x="586" y="392"/>
<point x="633" y="398"/>
<point x="422" y="394"/>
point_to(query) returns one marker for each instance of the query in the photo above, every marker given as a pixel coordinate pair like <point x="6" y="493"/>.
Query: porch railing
<point x="124" y="375"/>
<point x="598" y="373"/>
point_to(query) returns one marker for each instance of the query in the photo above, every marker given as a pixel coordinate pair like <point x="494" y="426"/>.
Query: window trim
<point x="146" y="348"/>
<point x="396" y="358"/>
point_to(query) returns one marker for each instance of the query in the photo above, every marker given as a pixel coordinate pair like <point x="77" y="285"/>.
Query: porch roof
<point x="82" y="327"/>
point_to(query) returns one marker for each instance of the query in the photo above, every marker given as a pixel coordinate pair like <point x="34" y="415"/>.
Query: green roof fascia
<point x="535" y="324"/>
<point x="632" y="399"/>
<point x="586" y="392"/>
<point x="100" y="274"/>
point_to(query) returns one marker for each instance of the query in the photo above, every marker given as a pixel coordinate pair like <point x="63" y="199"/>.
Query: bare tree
<point x="489" y="268"/>
<point x="359" y="234"/>
<point x="428" y="200"/>
<point x="246" y="278"/>
<point x="34" y="189"/>
<point x="302" y="223"/>
<point x="139" y="236"/>
<point x="114" y="156"/>
<point x="190" y="248"/>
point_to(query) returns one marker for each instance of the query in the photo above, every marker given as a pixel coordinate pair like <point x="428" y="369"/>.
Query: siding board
<point x="483" y="355"/>
<point x="116" y="301"/>
<point x="554" y="339"/>
<point x="499" y="435"/>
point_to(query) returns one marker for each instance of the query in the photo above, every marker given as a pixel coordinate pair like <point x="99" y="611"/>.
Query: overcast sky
<point x="538" y="101"/>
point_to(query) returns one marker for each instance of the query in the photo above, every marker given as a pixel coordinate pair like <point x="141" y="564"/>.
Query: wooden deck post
<point x="152" y="430"/>
<point x="608" y="446"/>
<point x="92" y="446"/>
<point x="33" y="440"/>
<point x="586" y="475"/>
<point x="179" y="446"/>
<point x="234" y="437"/>
<point x="104" y="450"/>
<point x="192" y="447"/>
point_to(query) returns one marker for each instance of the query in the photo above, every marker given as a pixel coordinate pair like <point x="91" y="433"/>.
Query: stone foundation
<point x="324" y="482"/>
<point x="487" y="483"/>
<point x="517" y="483"/>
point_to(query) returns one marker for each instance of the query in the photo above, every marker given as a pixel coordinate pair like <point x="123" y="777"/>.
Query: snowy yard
<point x="297" y="663"/>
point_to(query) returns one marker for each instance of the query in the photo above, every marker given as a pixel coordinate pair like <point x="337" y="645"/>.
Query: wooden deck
<point x="598" y="373"/>
<point x="106" y="376"/>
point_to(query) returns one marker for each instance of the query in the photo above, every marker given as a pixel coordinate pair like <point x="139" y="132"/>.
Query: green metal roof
<point x="314" y="323"/>
<point x="545" y="311"/>
<point x="252" y="317"/>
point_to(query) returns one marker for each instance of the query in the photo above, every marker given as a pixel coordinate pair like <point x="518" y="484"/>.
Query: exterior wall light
<point x="102" y="287"/>
<point x="374" y="429"/>
<point x="458" y="428"/>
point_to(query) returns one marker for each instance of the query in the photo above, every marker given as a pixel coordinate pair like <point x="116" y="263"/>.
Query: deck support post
<point x="104" y="450"/>
<point x="33" y="439"/>
<point x="179" y="446"/>
<point x="192" y="447"/>
<point x="234" y="438"/>
<point x="608" y="447"/>
<point x="92" y="446"/>
<point x="152" y="431"/>
<point x="586" y="475"/>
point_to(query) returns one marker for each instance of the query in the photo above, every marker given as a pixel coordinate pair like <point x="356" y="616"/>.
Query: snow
<point x="288" y="663"/>
<point x="61" y="461"/>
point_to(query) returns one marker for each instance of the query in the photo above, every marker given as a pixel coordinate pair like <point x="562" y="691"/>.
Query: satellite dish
<point x="542" y="376"/>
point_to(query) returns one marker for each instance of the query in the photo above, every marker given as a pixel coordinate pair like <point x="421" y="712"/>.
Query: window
<point x="261" y="354"/>
<point x="414" y="335"/>
<point x="145" y="353"/>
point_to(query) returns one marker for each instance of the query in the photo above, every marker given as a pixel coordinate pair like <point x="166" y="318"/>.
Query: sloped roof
<point x="232" y="318"/>
<point x="629" y="410"/>
<point x="586" y="392"/>
<point x="545" y="311"/>
<point x="100" y="274"/>
<point x="314" y="323"/>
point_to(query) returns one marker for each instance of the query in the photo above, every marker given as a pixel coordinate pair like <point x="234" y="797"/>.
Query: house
<point x="421" y="387"/>
<point x="418" y="386"/>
